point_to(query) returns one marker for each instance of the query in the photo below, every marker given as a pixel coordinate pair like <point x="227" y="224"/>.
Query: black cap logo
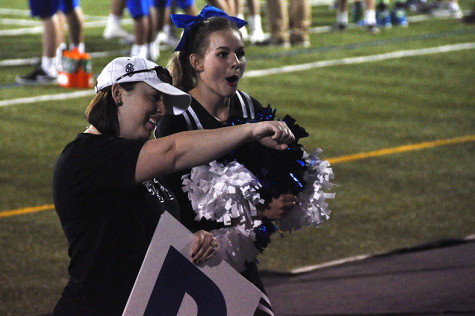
<point x="129" y="68"/>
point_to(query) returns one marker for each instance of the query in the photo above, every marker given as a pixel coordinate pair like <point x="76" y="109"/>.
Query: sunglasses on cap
<point x="162" y="74"/>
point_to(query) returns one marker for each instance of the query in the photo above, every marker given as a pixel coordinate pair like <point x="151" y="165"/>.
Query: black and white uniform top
<point x="197" y="117"/>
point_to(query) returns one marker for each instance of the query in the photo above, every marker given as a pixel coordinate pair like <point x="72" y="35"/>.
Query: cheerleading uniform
<point x="197" y="117"/>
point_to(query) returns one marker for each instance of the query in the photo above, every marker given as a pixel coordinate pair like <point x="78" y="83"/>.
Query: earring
<point x="119" y="103"/>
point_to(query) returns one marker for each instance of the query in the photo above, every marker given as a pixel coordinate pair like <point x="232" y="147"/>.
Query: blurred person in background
<point x="53" y="38"/>
<point x="163" y="32"/>
<point x="254" y="19"/>
<point x="231" y="7"/>
<point x="105" y="190"/>
<point x="113" y="27"/>
<point x="369" y="20"/>
<point x="140" y="12"/>
<point x="143" y="32"/>
<point x="397" y="15"/>
<point x="446" y="8"/>
<point x="288" y="26"/>
<point x="255" y="33"/>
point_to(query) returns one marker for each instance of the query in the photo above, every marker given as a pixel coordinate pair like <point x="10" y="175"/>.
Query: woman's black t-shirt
<point x="108" y="220"/>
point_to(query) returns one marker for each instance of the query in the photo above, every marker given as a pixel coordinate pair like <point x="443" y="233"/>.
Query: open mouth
<point x="233" y="79"/>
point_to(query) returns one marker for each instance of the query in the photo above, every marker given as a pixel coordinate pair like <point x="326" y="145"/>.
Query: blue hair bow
<point x="188" y="21"/>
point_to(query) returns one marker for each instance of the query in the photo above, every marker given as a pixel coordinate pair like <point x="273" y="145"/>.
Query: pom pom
<point x="221" y="192"/>
<point x="228" y="191"/>
<point x="236" y="245"/>
<point x="278" y="171"/>
<point x="311" y="208"/>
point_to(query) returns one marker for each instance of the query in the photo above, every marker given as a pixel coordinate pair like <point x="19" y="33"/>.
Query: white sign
<point x="170" y="284"/>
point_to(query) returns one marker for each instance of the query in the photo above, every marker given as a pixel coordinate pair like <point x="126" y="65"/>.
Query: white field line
<point x="22" y="31"/>
<point x="271" y="71"/>
<point x="315" y="3"/>
<point x="347" y="260"/>
<point x="362" y="59"/>
<point x="39" y="29"/>
<point x="19" y="61"/>
<point x="329" y="264"/>
<point x="48" y="97"/>
<point x="97" y="21"/>
<point x="5" y="21"/>
<point x="36" y="60"/>
<point x="15" y="12"/>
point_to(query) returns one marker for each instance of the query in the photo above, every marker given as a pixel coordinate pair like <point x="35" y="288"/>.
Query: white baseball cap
<point x="131" y="69"/>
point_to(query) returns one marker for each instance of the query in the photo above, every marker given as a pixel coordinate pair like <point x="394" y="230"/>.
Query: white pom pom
<point x="311" y="208"/>
<point x="222" y="192"/>
<point x="236" y="245"/>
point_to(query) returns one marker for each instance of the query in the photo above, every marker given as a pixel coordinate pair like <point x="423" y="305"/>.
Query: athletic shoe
<point x="154" y="51"/>
<point x="128" y="40"/>
<point x="362" y="23"/>
<point x="440" y="10"/>
<point x="420" y="6"/>
<point x="373" y="29"/>
<point x="167" y="40"/>
<point x="383" y="19"/>
<point x="398" y="17"/>
<point x="37" y="77"/>
<point x="59" y="56"/>
<point x="339" y="26"/>
<point x="115" y="31"/>
<point x="257" y="36"/>
<point x="273" y="42"/>
<point x="454" y="10"/>
<point x="304" y="44"/>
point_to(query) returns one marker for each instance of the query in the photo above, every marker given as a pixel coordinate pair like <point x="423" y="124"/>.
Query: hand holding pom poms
<point x="229" y="190"/>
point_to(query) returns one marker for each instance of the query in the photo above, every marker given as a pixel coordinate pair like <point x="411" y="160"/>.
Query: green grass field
<point x="382" y="203"/>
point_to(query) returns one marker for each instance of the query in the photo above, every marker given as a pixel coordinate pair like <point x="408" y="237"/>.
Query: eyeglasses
<point x="162" y="74"/>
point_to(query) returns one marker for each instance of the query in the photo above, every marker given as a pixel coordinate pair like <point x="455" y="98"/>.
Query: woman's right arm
<point x="193" y="148"/>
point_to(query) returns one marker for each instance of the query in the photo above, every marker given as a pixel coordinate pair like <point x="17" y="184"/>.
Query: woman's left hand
<point x="204" y="246"/>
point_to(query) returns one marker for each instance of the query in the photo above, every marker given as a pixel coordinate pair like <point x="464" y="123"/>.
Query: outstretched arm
<point x="192" y="148"/>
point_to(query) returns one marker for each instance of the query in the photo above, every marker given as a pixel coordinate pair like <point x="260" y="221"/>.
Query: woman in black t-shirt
<point x="105" y="189"/>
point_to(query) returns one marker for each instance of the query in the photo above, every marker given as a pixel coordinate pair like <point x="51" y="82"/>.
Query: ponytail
<point x="183" y="74"/>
